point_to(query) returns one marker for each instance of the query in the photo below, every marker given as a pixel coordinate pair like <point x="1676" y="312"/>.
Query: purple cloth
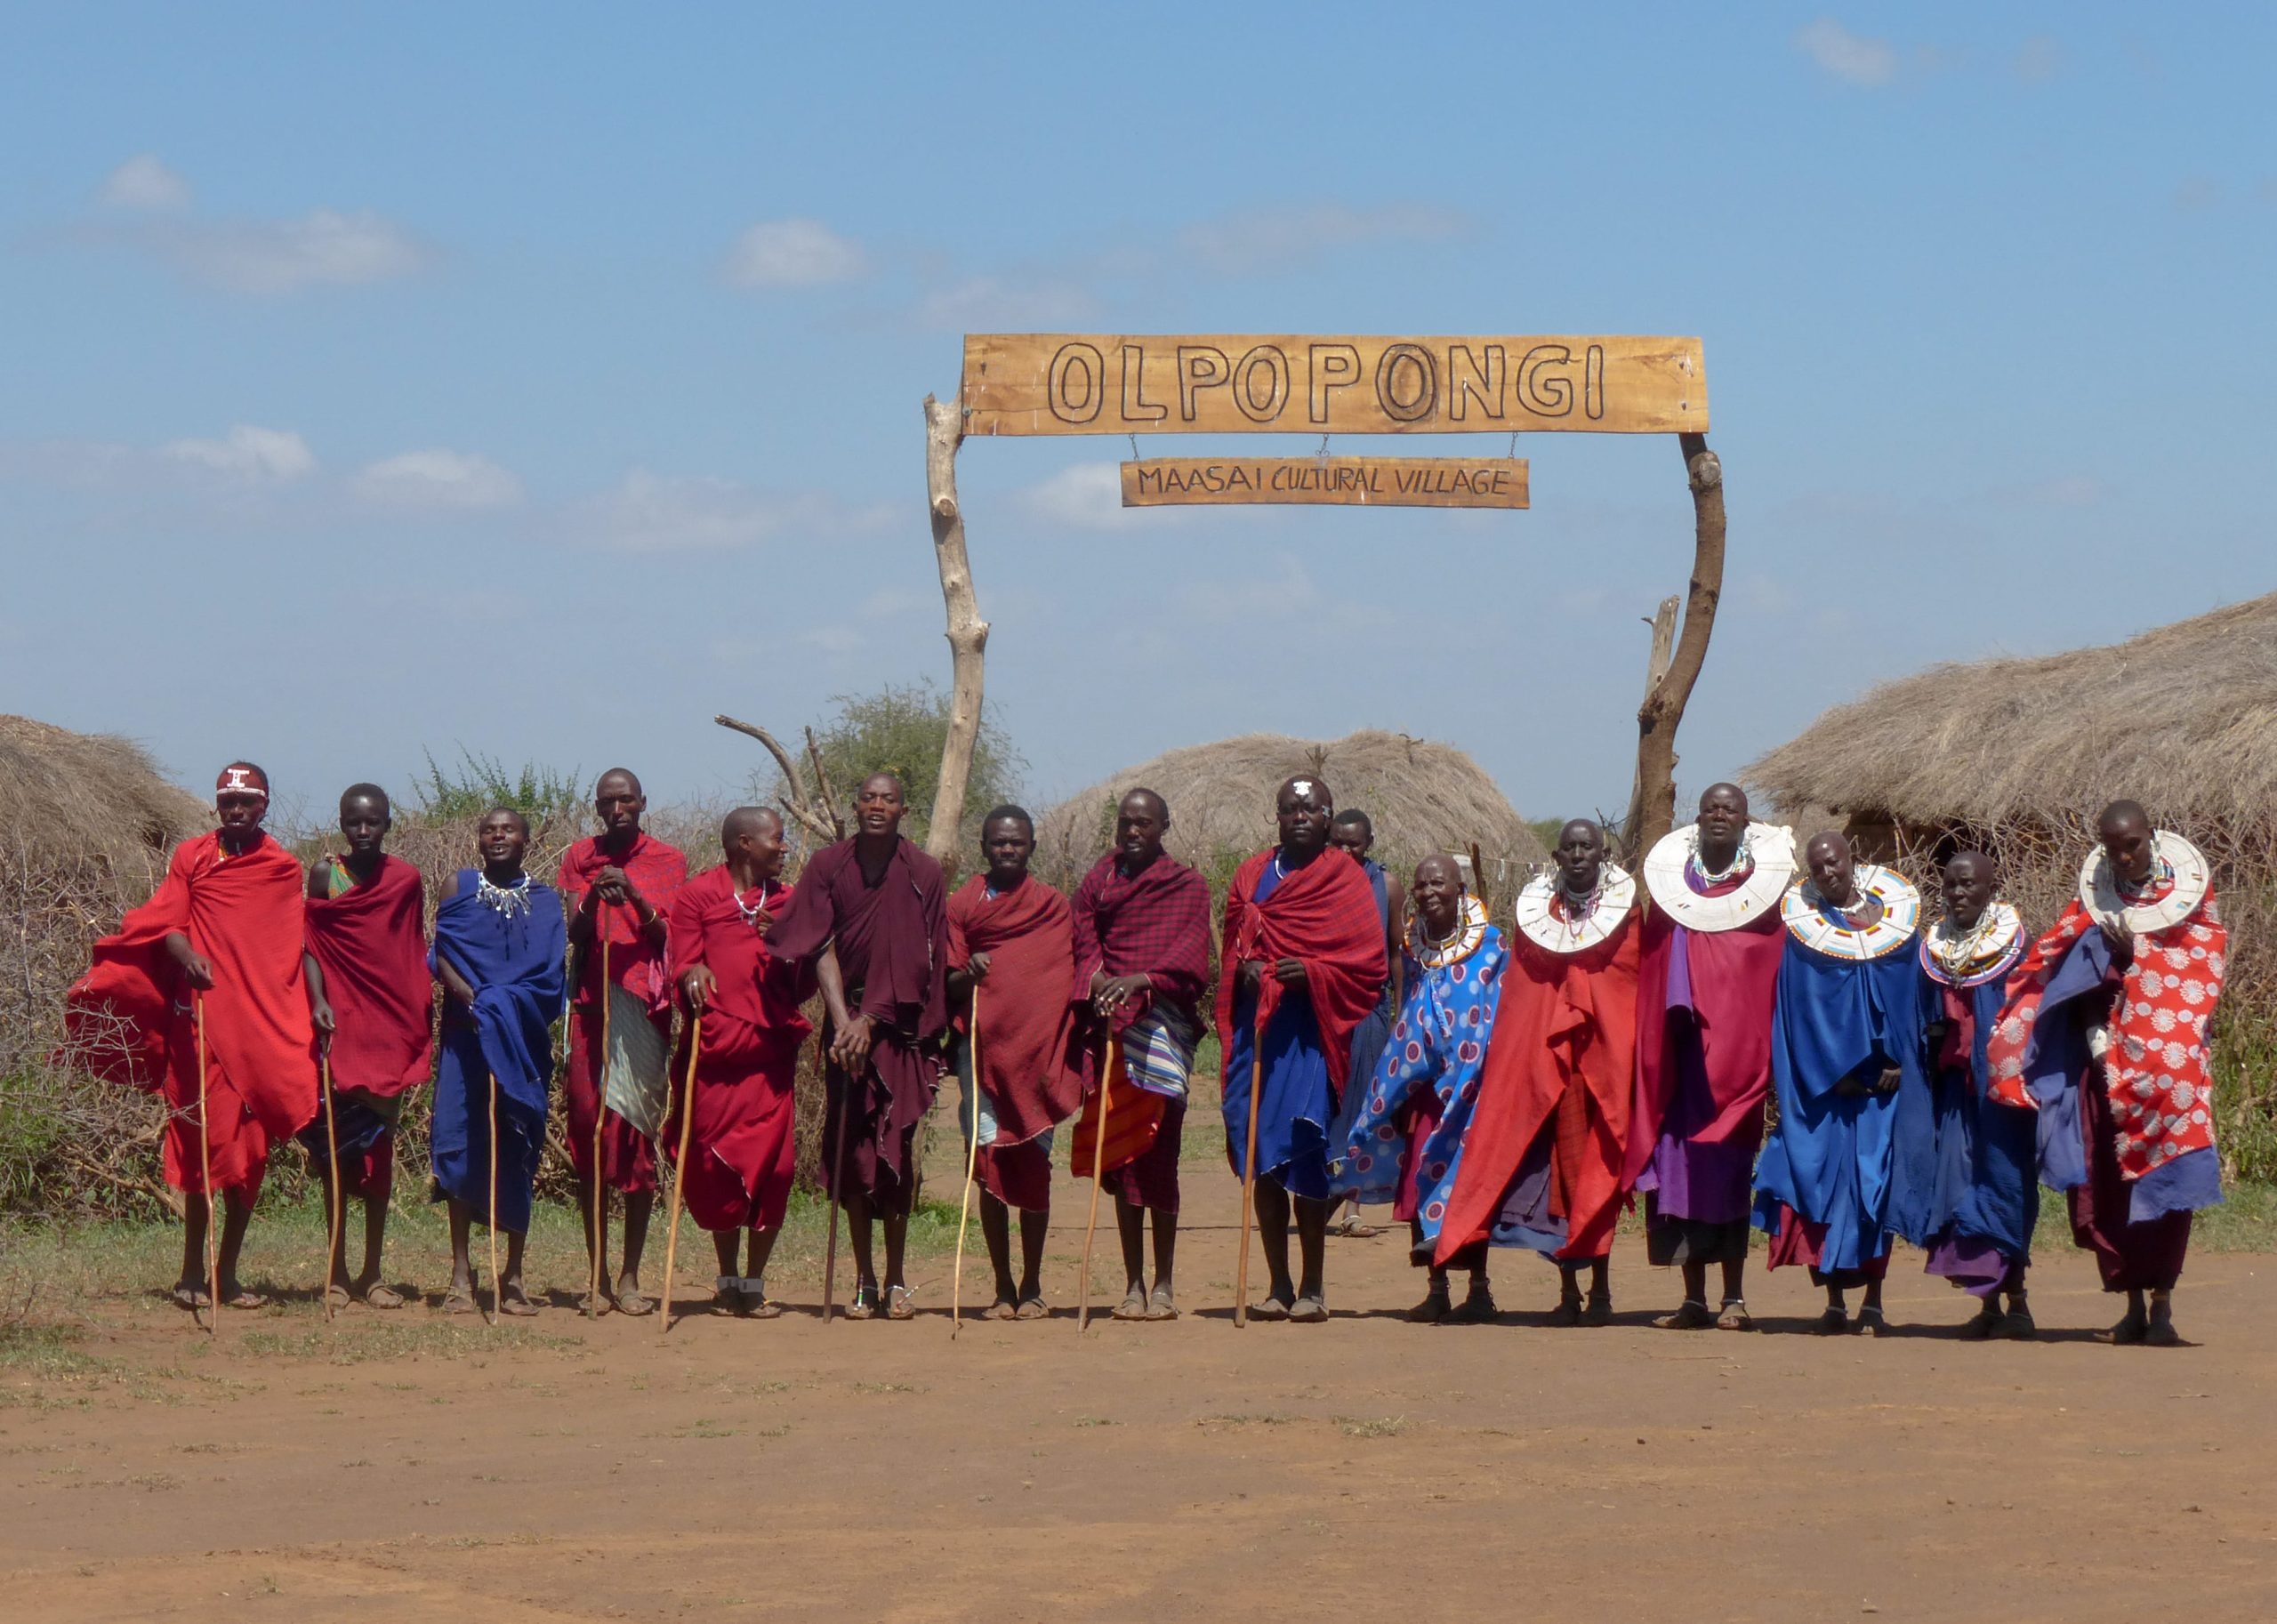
<point x="1711" y="1182"/>
<point x="1975" y="1263"/>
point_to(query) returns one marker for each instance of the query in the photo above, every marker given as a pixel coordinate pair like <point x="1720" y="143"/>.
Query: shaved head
<point x="2122" y="815"/>
<point x="632" y="781"/>
<point x="1149" y="802"/>
<point x="1723" y="790"/>
<point x="748" y="820"/>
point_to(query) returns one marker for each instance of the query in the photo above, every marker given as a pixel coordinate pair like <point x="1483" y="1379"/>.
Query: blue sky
<point x="543" y="379"/>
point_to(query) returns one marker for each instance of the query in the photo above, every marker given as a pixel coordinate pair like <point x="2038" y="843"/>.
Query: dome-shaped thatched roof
<point x="69" y="798"/>
<point x="1422" y="797"/>
<point x="2183" y="718"/>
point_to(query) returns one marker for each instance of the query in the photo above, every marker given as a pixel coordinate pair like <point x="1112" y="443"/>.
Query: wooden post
<point x="971" y="1160"/>
<point x="968" y="632"/>
<point x="1657" y="669"/>
<point x="333" y="1201"/>
<point x="680" y="1171"/>
<point x="1652" y="810"/>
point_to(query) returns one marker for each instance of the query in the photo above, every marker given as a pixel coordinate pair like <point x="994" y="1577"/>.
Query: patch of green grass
<point x="1375" y="1426"/>
<point x="360" y="1341"/>
<point x="1259" y="1418"/>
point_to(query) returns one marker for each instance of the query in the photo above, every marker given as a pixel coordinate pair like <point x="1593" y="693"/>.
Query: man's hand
<point x="976" y="969"/>
<point x="1890" y="1078"/>
<point x="1291" y="974"/>
<point x="1247" y="974"/>
<point x="1110" y="993"/>
<point x="695" y="986"/>
<point x="197" y="968"/>
<point x="321" y="1017"/>
<point x="850" y="1048"/>
<point x="613" y="887"/>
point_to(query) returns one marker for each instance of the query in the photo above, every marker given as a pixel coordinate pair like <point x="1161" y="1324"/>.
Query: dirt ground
<point x="400" y="1467"/>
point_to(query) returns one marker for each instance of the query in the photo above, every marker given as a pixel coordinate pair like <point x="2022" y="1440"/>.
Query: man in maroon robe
<point x="617" y="887"/>
<point x="365" y="918"/>
<point x="1142" y="961"/>
<point x="1012" y="972"/>
<point x="214" y="962"/>
<point x="880" y="906"/>
<point x="741" y="1155"/>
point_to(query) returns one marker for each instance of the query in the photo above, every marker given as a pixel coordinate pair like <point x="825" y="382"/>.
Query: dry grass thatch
<point x="68" y="797"/>
<point x="1422" y="797"/>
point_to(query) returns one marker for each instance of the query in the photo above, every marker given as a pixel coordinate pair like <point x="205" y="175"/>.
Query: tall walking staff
<point x="838" y="1179"/>
<point x="498" y="1289"/>
<point x="205" y="1170"/>
<point x="331" y="1190"/>
<point x="679" y="1174"/>
<point x="1248" y="1174"/>
<point x="599" y="1222"/>
<point x="971" y="1163"/>
<point x="1098" y="1177"/>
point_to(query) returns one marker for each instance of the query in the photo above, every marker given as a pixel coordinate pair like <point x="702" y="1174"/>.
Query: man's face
<point x="1437" y="891"/>
<point x="1138" y="829"/>
<point x="1580" y="857"/>
<point x="618" y="803"/>
<point x="364" y="823"/>
<point x="1833" y="870"/>
<point x="1355" y="837"/>
<point x="2126" y="841"/>
<point x="1969" y="888"/>
<point x="240" y="811"/>
<point x="500" y="839"/>
<point x="1304" y="809"/>
<point x="1008" y="846"/>
<point x="761" y="843"/>
<point x="1723" y="815"/>
<point x="878" y="808"/>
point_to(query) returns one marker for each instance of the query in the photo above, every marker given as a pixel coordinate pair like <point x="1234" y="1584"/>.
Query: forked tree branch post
<point x="1652" y="808"/>
<point x="968" y="633"/>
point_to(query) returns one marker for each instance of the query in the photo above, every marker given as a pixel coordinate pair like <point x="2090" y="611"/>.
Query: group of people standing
<point x="1512" y="1087"/>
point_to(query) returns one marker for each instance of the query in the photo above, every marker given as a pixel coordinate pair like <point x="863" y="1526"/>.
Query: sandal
<point x="1691" y="1315"/>
<point x="1477" y="1308"/>
<point x="756" y="1303"/>
<point x="1833" y="1322"/>
<point x="337" y="1296"/>
<point x="377" y="1296"/>
<point x="1133" y="1305"/>
<point x="1436" y="1305"/>
<point x="2017" y="1325"/>
<point x="1309" y="1311"/>
<point x="636" y="1306"/>
<point x="1003" y="1308"/>
<point x="1271" y="1308"/>
<point x="1600" y="1309"/>
<point x="515" y="1304"/>
<point x="246" y="1300"/>
<point x="865" y="1306"/>
<point x="1872" y="1323"/>
<point x="459" y="1299"/>
<point x="727" y="1293"/>
<point x="2130" y="1330"/>
<point x="190" y="1299"/>
<point x="1160" y="1307"/>
<point x="1734" y="1317"/>
<point x="1031" y="1308"/>
<point x="1983" y="1325"/>
<point x="901" y="1303"/>
<point x="1568" y="1312"/>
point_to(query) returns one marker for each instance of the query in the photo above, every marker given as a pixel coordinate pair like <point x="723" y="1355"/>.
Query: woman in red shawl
<point x="222" y="938"/>
<point x="1012" y="967"/>
<point x="365" y="920"/>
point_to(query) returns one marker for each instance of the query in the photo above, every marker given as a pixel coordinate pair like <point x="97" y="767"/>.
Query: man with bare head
<point x="2105" y="1033"/>
<point x="872" y="915"/>
<point x="1302" y="955"/>
<point x="1713" y="943"/>
<point x="1354" y="833"/>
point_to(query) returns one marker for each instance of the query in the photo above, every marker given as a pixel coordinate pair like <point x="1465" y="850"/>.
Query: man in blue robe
<point x="501" y="948"/>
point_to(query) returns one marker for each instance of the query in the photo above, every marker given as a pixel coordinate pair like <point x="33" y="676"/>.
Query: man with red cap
<point x="212" y="969"/>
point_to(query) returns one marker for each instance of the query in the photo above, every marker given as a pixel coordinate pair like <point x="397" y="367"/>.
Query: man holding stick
<point x="212" y="968"/>
<point x="742" y="1157"/>
<point x="1011" y="964"/>
<point x="1142" y="960"/>
<point x="617" y="885"/>
<point x="1304" y="952"/>
<point x="499" y="946"/>
<point x="364" y="916"/>
<point x="878" y="906"/>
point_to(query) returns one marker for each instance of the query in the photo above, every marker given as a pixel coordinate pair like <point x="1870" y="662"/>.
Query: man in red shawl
<point x="1710" y="973"/>
<point x="1012" y="970"/>
<point x="741" y="1156"/>
<point x="213" y="963"/>
<point x="879" y="905"/>
<point x="1543" y="1162"/>
<point x="617" y="885"/>
<point x="1303" y="948"/>
<point x="366" y="933"/>
<point x="1142" y="960"/>
<point x="2105" y="1031"/>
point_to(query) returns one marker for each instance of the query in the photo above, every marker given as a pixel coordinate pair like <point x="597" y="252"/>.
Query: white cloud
<point x="2039" y="58"/>
<point x="992" y="304"/>
<point x="436" y="479"/>
<point x="1267" y="240"/>
<point x="1850" y="56"/>
<point x="651" y="512"/>
<point x="794" y="253"/>
<point x="283" y="256"/>
<point x="1089" y="497"/>
<point x="246" y="454"/>
<point x="145" y="183"/>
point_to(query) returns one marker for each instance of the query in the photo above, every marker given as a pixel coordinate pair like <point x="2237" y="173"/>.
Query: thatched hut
<point x="78" y="802"/>
<point x="1421" y="796"/>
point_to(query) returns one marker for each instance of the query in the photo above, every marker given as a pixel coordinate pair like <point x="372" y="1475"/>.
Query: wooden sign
<point x="1358" y="482"/>
<point x="1102" y="383"/>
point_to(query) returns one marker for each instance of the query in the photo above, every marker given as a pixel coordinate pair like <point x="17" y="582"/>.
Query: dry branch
<point x="968" y="633"/>
<point x="1652" y="811"/>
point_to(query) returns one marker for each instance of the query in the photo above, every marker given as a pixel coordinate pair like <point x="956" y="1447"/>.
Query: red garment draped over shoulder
<point x="1323" y="915"/>
<point x="130" y="1018"/>
<point x="1032" y="1060"/>
<point x="370" y="944"/>
<point x="1733" y="974"/>
<point x="1565" y="1020"/>
<point x="658" y="870"/>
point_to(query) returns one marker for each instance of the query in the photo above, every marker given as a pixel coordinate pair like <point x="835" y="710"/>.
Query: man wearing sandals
<point x="871" y="914"/>
<point x="500" y="943"/>
<point x="1845" y="1042"/>
<point x="214" y="966"/>
<point x="740" y="1154"/>
<point x="2104" y="1033"/>
<point x="1012" y="985"/>
<point x="1354" y="833"/>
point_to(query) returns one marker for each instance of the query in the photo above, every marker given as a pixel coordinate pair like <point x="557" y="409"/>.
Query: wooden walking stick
<point x="1098" y="1177"/>
<point x="679" y="1174"/>
<point x="838" y="1183"/>
<point x="497" y="1291"/>
<point x="971" y="1163"/>
<point x="331" y="1219"/>
<point x="598" y="1222"/>
<point x="206" y="1172"/>
<point x="1249" y="1176"/>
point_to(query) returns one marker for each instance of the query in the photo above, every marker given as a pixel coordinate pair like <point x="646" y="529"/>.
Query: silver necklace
<point x="507" y="901"/>
<point x="751" y="911"/>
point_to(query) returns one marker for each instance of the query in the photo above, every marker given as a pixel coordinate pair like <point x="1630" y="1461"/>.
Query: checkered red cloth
<point x="1156" y="921"/>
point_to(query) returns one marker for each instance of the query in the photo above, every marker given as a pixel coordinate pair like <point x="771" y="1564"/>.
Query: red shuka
<point x="658" y="871"/>
<point x="741" y="1154"/>
<point x="1323" y="915"/>
<point x="1566" y="1022"/>
<point x="1032" y="1060"/>
<point x="369" y="942"/>
<point x="131" y="1018"/>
